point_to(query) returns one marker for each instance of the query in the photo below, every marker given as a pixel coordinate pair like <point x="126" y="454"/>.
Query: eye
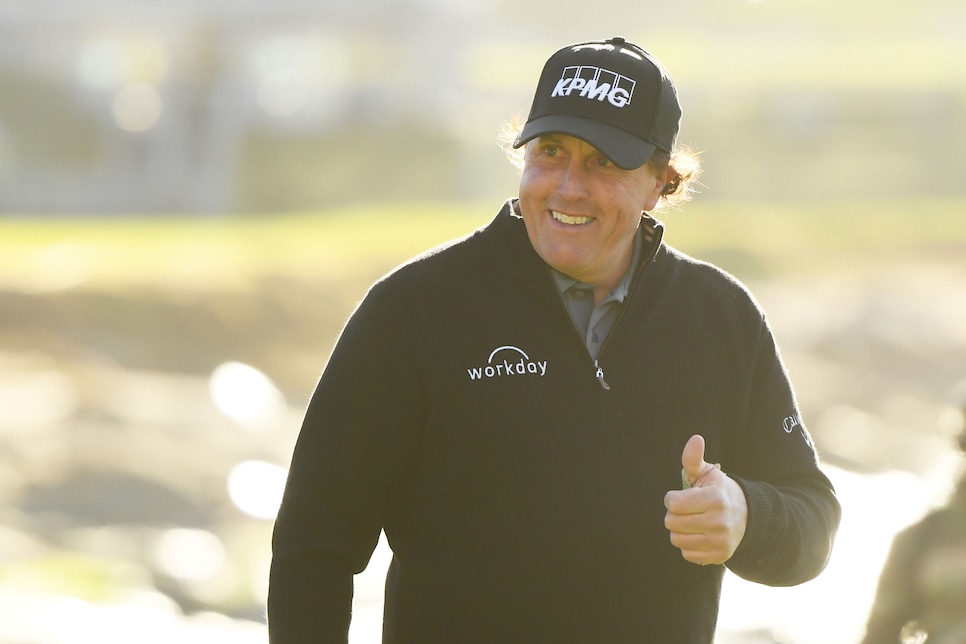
<point x="550" y="150"/>
<point x="604" y="162"/>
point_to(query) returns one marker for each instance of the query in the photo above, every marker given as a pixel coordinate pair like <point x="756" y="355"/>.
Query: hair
<point x="683" y="164"/>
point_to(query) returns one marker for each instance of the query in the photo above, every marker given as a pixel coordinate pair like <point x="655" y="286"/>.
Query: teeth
<point x="567" y="219"/>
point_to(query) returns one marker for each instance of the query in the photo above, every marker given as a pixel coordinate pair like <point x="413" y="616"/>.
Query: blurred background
<point x="194" y="195"/>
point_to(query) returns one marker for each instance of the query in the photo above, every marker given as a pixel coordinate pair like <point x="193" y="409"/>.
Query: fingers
<point x="707" y="519"/>
<point x="692" y="458"/>
<point x="706" y="524"/>
<point x="695" y="468"/>
<point x="700" y="542"/>
<point x="701" y="513"/>
<point x="703" y="557"/>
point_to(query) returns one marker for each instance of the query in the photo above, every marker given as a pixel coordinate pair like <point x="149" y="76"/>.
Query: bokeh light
<point x="282" y="92"/>
<point x="189" y="554"/>
<point x="299" y="71"/>
<point x="245" y="394"/>
<point x="137" y="107"/>
<point x="108" y="63"/>
<point x="101" y="65"/>
<point x="36" y="399"/>
<point x="256" y="488"/>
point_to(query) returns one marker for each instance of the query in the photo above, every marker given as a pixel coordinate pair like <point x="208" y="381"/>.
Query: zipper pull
<point x="600" y="377"/>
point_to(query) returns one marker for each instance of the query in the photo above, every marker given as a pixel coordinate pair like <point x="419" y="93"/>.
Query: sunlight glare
<point x="189" y="554"/>
<point x="137" y="107"/>
<point x="282" y="92"/>
<point x="874" y="508"/>
<point x="256" y="488"/>
<point x="36" y="399"/>
<point x="245" y="394"/>
<point x="101" y="65"/>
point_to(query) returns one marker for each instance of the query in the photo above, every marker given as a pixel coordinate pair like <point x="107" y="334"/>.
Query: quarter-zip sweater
<point x="523" y="501"/>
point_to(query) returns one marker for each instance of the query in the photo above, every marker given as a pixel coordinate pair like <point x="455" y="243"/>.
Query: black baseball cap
<point x="612" y="94"/>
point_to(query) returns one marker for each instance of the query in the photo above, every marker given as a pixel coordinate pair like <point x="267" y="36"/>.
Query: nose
<point x="573" y="180"/>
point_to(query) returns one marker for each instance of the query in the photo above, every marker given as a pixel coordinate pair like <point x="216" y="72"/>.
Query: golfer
<point x="566" y="428"/>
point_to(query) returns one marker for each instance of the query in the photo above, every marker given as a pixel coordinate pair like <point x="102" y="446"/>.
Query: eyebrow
<point x="558" y="137"/>
<point x="549" y="137"/>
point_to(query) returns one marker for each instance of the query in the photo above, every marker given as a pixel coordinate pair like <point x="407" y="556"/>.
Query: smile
<point x="570" y="221"/>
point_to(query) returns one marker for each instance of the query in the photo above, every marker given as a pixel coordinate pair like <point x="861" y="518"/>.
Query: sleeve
<point x="353" y="451"/>
<point x="896" y="601"/>
<point x="793" y="512"/>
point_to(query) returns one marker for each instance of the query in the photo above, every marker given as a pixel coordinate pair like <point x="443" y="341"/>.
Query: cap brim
<point x="626" y="150"/>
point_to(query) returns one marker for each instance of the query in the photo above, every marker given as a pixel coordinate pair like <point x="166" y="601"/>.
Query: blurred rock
<point x="90" y="498"/>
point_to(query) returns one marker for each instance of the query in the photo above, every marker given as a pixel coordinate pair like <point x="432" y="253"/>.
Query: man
<point x="515" y="409"/>
<point x="922" y="587"/>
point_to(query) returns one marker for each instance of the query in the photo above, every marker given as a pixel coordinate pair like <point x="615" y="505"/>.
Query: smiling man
<point x="565" y="427"/>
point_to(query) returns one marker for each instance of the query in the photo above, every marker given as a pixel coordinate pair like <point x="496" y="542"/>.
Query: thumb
<point x="692" y="458"/>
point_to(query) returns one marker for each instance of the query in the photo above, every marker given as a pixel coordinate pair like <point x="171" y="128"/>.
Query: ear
<point x="660" y="180"/>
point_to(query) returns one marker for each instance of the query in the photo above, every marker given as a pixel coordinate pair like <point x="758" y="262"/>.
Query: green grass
<point x="219" y="253"/>
<point x="757" y="241"/>
<point x="233" y="253"/>
<point x="72" y="575"/>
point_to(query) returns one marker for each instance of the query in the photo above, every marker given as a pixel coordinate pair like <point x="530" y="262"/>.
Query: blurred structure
<point x="208" y="106"/>
<point x="212" y="107"/>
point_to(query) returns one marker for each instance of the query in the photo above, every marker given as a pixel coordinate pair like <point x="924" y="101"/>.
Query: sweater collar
<point x="649" y="237"/>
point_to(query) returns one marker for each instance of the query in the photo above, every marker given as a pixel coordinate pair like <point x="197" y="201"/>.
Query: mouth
<point x="570" y="220"/>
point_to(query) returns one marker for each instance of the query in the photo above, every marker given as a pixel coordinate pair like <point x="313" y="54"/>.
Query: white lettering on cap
<point x="595" y="83"/>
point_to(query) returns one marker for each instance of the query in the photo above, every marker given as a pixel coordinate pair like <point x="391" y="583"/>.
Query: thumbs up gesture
<point x="706" y="520"/>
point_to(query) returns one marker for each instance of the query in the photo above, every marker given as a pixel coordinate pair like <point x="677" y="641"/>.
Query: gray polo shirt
<point x="596" y="322"/>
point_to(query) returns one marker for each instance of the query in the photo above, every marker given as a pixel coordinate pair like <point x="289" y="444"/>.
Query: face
<point x="581" y="211"/>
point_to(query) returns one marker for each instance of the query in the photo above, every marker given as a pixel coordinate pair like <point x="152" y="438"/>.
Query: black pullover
<point x="520" y="485"/>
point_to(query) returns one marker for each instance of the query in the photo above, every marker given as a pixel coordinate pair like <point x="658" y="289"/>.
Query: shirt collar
<point x="623" y="287"/>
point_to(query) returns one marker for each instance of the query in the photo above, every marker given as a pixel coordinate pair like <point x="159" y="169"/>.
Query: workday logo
<point x="508" y="360"/>
<point x="595" y="83"/>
